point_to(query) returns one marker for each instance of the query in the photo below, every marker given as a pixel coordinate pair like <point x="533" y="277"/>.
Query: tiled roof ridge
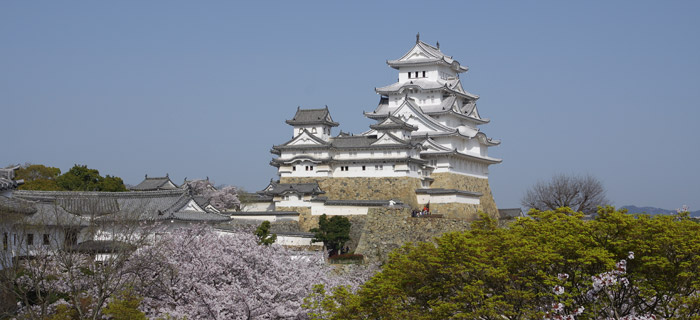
<point x="157" y="178"/>
<point x="49" y="195"/>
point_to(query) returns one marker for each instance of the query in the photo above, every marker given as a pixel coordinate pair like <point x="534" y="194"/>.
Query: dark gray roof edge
<point x="448" y="191"/>
<point x="264" y="213"/>
<point x="50" y="195"/>
<point x="326" y="122"/>
<point x="450" y="111"/>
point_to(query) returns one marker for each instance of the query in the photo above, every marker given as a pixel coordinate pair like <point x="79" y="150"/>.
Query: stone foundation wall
<point x="284" y="226"/>
<point x="461" y="182"/>
<point x="357" y="226"/>
<point x="306" y="220"/>
<point x="456" y="210"/>
<point x="361" y="188"/>
<point x="386" y="229"/>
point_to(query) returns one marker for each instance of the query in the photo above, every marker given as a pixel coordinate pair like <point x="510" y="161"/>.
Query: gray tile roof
<point x="364" y="142"/>
<point x="154" y="183"/>
<point x="16" y="205"/>
<point x="393" y="123"/>
<point x="434" y="55"/>
<point x="6" y="184"/>
<point x="7" y="178"/>
<point x="344" y="142"/>
<point x="263" y="213"/>
<point x="425" y="84"/>
<point x="68" y="207"/>
<point x="320" y="142"/>
<point x="312" y="116"/>
<point x="275" y="188"/>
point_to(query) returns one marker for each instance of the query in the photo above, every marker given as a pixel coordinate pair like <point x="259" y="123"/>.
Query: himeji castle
<point x="424" y="149"/>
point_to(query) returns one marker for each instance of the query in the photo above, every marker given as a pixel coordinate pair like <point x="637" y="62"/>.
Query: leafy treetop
<point x="552" y="258"/>
<point x="333" y="232"/>
<point x="78" y="178"/>
<point x="263" y="234"/>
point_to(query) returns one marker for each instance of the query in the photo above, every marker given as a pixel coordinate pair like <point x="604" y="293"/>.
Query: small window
<point x="364" y="168"/>
<point x="294" y="168"/>
<point x="409" y="75"/>
<point x="30" y="239"/>
<point x="46" y="239"/>
<point x="423" y="74"/>
<point x="4" y="241"/>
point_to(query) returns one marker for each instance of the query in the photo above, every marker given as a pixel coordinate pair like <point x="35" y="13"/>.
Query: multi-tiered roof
<point x="429" y="96"/>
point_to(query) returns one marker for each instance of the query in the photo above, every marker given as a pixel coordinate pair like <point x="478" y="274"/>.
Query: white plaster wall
<point x="320" y="132"/>
<point x="473" y="146"/>
<point x="294" y="201"/>
<point x="355" y="170"/>
<point x="451" y="198"/>
<point x="319" y="170"/>
<point x="259" y="206"/>
<point x="296" y="241"/>
<point x="430" y="73"/>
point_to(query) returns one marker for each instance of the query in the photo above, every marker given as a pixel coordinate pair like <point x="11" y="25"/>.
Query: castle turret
<point x="317" y="122"/>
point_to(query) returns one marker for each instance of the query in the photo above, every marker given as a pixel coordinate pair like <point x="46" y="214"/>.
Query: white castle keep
<point x="425" y="148"/>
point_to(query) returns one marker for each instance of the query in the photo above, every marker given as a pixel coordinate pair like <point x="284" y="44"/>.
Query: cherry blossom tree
<point x="222" y="199"/>
<point x="53" y="276"/>
<point x="201" y="274"/>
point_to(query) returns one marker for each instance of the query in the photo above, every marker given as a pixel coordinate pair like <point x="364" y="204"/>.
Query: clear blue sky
<point x="196" y="89"/>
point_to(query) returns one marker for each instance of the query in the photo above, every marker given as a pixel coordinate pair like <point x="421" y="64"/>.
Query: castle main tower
<point x="425" y="148"/>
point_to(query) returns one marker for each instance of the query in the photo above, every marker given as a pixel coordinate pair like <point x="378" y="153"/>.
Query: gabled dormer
<point x="395" y="126"/>
<point x="317" y="122"/>
<point x="424" y="61"/>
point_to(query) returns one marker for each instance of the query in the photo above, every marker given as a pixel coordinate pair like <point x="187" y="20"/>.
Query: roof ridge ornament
<point x="417" y="37"/>
<point x="438" y="45"/>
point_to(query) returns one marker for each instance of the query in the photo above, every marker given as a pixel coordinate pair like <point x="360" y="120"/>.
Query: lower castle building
<point x="424" y="149"/>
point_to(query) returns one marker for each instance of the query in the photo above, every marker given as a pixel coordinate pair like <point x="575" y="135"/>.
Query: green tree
<point x="333" y="232"/>
<point x="112" y="184"/>
<point x="125" y="306"/>
<point x="82" y="178"/>
<point x="38" y="177"/>
<point x="496" y="273"/>
<point x="263" y="234"/>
